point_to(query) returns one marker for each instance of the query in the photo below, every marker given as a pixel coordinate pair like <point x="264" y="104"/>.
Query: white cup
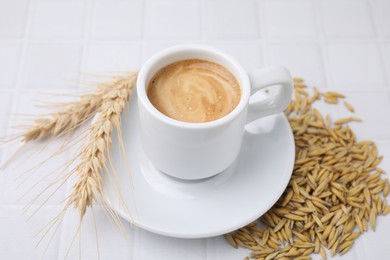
<point x="199" y="150"/>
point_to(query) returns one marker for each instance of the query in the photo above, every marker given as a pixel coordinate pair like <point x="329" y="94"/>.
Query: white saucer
<point x="210" y="207"/>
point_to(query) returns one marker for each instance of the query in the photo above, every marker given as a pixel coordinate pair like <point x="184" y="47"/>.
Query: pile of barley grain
<point x="335" y="191"/>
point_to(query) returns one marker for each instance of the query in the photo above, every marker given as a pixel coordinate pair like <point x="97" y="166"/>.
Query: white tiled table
<point x="50" y="46"/>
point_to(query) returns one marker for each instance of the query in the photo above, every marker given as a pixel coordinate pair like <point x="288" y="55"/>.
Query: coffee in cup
<point x="195" y="151"/>
<point x="194" y="90"/>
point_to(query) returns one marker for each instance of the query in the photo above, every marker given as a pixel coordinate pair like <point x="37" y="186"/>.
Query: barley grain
<point x="231" y="240"/>
<point x="349" y="107"/>
<point x="335" y="186"/>
<point x="373" y="219"/>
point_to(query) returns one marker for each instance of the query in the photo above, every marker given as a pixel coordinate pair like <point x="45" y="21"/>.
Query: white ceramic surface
<point x="194" y="151"/>
<point x="210" y="207"/>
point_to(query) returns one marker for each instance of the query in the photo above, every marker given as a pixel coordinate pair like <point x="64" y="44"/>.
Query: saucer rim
<point x="252" y="218"/>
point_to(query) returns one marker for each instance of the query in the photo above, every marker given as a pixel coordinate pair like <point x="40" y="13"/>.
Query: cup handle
<point x="277" y="77"/>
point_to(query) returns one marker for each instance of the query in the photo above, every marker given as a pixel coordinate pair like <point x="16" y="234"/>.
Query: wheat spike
<point x="74" y="114"/>
<point x="94" y="154"/>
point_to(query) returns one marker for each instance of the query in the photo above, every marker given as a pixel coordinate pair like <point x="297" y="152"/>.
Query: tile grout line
<point x="261" y="20"/>
<point x="18" y="82"/>
<point x="88" y="16"/>
<point x="136" y="237"/>
<point x="322" y="44"/>
<point x="374" y="17"/>
<point x="142" y="36"/>
<point x="144" y="26"/>
<point x="231" y="40"/>
<point x="358" y="88"/>
<point x="319" y="43"/>
<point x="87" y="25"/>
<point x="135" y="232"/>
<point x="202" y="14"/>
<point x="17" y="90"/>
<point x="377" y="41"/>
<point x="207" y="250"/>
<point x="211" y="248"/>
<point x="25" y="44"/>
<point x="258" y="39"/>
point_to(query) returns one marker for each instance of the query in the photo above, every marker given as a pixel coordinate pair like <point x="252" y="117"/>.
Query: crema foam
<point x="194" y="91"/>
